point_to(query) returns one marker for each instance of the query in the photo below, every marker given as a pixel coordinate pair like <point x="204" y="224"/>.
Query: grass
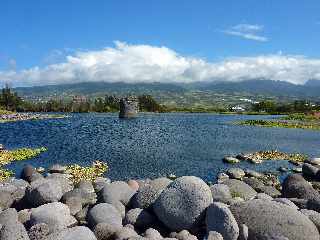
<point x="277" y="155"/>
<point x="79" y="173"/>
<point x="283" y="124"/>
<point x="8" y="156"/>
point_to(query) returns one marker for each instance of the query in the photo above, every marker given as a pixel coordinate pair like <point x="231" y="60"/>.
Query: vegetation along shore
<point x="76" y="202"/>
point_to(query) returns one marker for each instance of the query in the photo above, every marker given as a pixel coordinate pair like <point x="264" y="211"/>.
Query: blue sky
<point x="38" y="33"/>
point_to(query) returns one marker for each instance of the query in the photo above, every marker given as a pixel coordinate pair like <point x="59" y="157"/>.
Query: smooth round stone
<point x="220" y="193"/>
<point x="104" y="213"/>
<point x="220" y="219"/>
<point x="240" y="189"/>
<point x="269" y="218"/>
<point x="252" y="173"/>
<point x="133" y="184"/>
<point x="183" y="203"/>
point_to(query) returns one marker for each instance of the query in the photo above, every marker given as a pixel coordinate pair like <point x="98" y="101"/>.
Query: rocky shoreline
<point x="242" y="205"/>
<point x="13" y="117"/>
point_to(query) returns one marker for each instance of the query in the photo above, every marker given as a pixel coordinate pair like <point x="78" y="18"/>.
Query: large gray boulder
<point x="117" y="192"/>
<point x="240" y="189"/>
<point x="6" y="200"/>
<point x="16" y="187"/>
<point x="220" y="219"/>
<point x="43" y="191"/>
<point x="75" y="233"/>
<point x="220" y="193"/>
<point x="295" y="186"/>
<point x="309" y="170"/>
<point x="56" y="215"/>
<point x="104" y="213"/>
<point x="11" y="228"/>
<point x="148" y="193"/>
<point x="236" y="173"/>
<point x="183" y="203"/>
<point x="105" y="231"/>
<point x="39" y="232"/>
<point x="212" y="235"/>
<point x="269" y="218"/>
<point x="13" y="232"/>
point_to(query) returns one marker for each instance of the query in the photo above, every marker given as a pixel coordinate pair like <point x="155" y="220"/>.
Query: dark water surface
<point x="153" y="144"/>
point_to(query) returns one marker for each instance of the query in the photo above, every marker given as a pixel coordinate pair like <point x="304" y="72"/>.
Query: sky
<point x="52" y="42"/>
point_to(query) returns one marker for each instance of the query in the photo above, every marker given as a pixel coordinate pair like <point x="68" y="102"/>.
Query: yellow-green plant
<point x="8" y="156"/>
<point x="79" y="173"/>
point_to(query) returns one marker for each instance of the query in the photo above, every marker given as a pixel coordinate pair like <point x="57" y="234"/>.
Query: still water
<point x="154" y="145"/>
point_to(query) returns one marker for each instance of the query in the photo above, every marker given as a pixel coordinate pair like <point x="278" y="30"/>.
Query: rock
<point x="148" y="193"/>
<point x="240" y="189"/>
<point x="57" y="168"/>
<point x="105" y="231"/>
<point x="56" y="215"/>
<point x="125" y="233"/>
<point x="256" y="184"/>
<point x="100" y="182"/>
<point x="153" y="234"/>
<point x="133" y="184"/>
<point x="287" y="202"/>
<point x="313" y="216"/>
<point x="231" y="160"/>
<point x="117" y="191"/>
<point x="283" y="169"/>
<point x="269" y="218"/>
<point x="183" y="235"/>
<point x="82" y="215"/>
<point x="39" y="232"/>
<point x="271" y="191"/>
<point x="28" y="173"/>
<point x="86" y="186"/>
<point x="6" y="200"/>
<point x="252" y="173"/>
<point x="220" y="219"/>
<point x="294" y="186"/>
<point x="182" y="204"/>
<point x="297" y="170"/>
<point x="309" y="170"/>
<point x="9" y="216"/>
<point x="263" y="196"/>
<point x="139" y="218"/>
<point x="236" y="173"/>
<point x="75" y="233"/>
<point x="212" y="235"/>
<point x="121" y="208"/>
<point x="222" y="177"/>
<point x="104" y="213"/>
<point x="24" y="216"/>
<point x="220" y="193"/>
<point x="44" y="191"/>
<point x="13" y="232"/>
<point x="63" y="180"/>
<point x="313" y="161"/>
<point x="86" y="197"/>
<point x="74" y="204"/>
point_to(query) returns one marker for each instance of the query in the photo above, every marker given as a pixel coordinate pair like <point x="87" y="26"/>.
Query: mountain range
<point x="184" y="94"/>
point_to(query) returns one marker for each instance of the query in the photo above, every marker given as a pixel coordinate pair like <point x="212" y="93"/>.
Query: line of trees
<point x="9" y="100"/>
<point x="299" y="106"/>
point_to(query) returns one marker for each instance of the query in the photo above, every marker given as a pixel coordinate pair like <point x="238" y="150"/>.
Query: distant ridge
<point x="173" y="91"/>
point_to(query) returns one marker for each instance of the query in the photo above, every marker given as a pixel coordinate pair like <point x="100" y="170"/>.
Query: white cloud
<point x="247" y="31"/>
<point x="145" y="63"/>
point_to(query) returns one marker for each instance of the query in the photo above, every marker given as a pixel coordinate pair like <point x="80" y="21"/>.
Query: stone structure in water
<point x="128" y="107"/>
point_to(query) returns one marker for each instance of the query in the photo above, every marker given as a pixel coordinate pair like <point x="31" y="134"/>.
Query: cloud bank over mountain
<point x="145" y="63"/>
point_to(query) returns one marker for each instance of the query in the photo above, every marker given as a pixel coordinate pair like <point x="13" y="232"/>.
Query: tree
<point x="9" y="100"/>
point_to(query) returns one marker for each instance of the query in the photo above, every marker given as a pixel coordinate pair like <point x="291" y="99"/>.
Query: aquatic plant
<point x="79" y="173"/>
<point x="5" y="174"/>
<point x="8" y="156"/>
<point x="276" y="155"/>
<point x="284" y="124"/>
